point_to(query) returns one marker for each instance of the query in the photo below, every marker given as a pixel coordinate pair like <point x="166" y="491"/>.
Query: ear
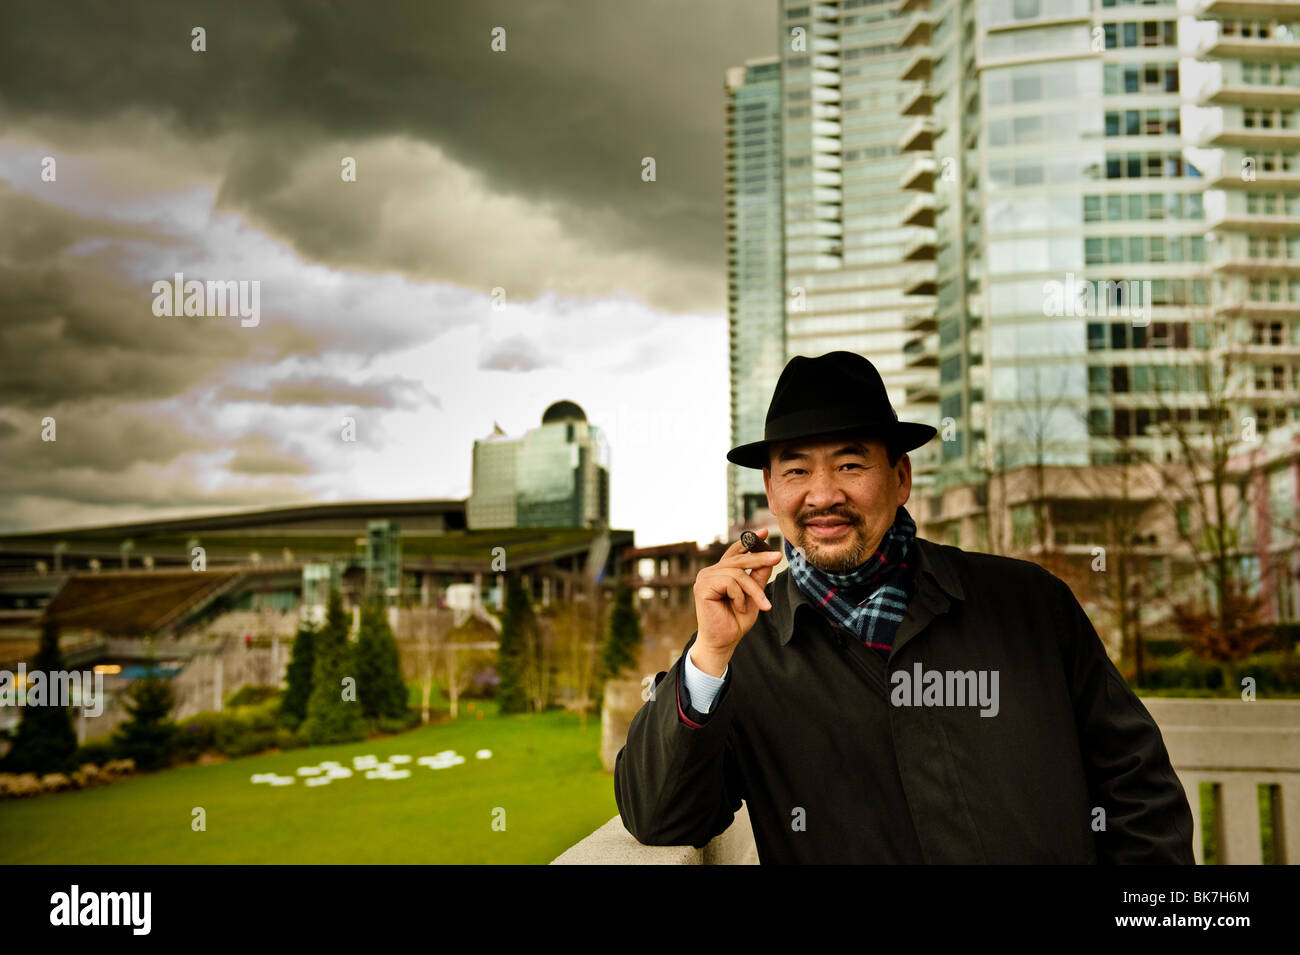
<point x="904" y="472"/>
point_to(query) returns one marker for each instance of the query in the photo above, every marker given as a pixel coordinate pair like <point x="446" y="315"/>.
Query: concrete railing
<point x="1235" y="746"/>
<point x="612" y="844"/>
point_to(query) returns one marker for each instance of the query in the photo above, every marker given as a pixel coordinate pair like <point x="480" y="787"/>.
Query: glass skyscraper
<point x="755" y="270"/>
<point x="1251" y="94"/>
<point x="859" y="250"/>
<point x="556" y="475"/>
<point x="1070" y="230"/>
<point x="999" y="204"/>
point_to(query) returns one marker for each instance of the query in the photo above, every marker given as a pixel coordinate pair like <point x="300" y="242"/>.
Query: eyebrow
<point x="792" y="455"/>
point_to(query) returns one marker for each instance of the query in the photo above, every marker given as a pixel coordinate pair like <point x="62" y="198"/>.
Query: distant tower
<point x="556" y="475"/>
<point x="383" y="561"/>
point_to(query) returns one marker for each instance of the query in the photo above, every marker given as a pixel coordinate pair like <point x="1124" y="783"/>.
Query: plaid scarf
<point x="870" y="599"/>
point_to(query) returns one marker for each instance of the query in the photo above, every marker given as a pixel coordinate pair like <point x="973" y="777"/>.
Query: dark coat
<point x="805" y="733"/>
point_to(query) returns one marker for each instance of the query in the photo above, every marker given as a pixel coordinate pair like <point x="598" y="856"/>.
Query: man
<point x="889" y="699"/>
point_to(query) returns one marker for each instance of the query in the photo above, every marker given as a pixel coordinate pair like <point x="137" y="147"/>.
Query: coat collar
<point x="933" y="568"/>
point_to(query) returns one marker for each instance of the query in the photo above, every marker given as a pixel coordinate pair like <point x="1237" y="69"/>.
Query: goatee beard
<point x="837" y="565"/>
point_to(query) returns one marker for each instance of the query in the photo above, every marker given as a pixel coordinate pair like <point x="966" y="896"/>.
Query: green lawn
<point x="544" y="772"/>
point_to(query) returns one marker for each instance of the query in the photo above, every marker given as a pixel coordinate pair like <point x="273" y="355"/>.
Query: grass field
<point x="544" y="772"/>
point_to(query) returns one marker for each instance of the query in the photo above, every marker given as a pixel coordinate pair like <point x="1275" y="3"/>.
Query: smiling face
<point x="835" y="497"/>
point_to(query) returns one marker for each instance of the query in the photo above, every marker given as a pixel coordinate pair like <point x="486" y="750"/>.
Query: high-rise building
<point x="1071" y="284"/>
<point x="556" y="475"/>
<point x="755" y="268"/>
<point x="999" y="205"/>
<point x="859" y="250"/>
<point x="1251" y="92"/>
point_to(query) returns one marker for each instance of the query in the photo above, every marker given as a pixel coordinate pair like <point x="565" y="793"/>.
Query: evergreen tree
<point x="46" y="742"/>
<point x="623" y="643"/>
<point x="330" y="717"/>
<point x="380" y="687"/>
<point x="148" y="736"/>
<point x="293" y="706"/>
<point x="518" y="633"/>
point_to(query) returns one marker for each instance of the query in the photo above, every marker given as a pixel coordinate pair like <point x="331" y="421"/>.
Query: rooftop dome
<point x="563" y="411"/>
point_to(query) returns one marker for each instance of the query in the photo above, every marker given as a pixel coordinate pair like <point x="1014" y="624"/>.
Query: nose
<point x="824" y="491"/>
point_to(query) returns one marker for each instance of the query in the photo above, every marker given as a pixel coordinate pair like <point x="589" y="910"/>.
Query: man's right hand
<point x="727" y="603"/>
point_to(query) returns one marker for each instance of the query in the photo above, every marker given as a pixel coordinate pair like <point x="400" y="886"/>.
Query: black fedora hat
<point x="837" y="392"/>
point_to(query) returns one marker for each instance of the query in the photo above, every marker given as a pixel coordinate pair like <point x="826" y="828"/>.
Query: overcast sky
<point x="475" y="170"/>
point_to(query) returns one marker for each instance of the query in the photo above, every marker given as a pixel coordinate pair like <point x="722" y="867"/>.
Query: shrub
<point x="97" y="751"/>
<point x="330" y="717"/>
<point x="623" y="641"/>
<point x="239" y="731"/>
<point x="249" y="695"/>
<point x="293" y="708"/>
<point x="148" y="736"/>
<point x="517" y="647"/>
<point x="1272" y="672"/>
<point x="286" y="738"/>
<point x="397" y="724"/>
<point x="196" y="735"/>
<point x="45" y="741"/>
<point x="380" y="687"/>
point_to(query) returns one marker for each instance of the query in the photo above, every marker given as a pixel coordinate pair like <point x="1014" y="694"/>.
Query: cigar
<point x="752" y="542"/>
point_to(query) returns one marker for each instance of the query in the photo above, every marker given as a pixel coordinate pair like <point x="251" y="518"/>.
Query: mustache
<point x="850" y="518"/>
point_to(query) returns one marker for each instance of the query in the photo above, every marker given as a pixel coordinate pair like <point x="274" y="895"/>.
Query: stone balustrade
<point x="1235" y="746"/>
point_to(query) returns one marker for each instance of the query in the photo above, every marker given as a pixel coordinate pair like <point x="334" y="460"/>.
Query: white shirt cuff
<point x="702" y="687"/>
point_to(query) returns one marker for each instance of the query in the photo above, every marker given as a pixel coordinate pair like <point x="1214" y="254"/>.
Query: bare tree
<point x="1210" y="501"/>
<point x="421" y="635"/>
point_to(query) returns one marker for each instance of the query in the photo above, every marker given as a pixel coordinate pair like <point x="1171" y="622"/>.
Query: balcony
<point x="1235" y="47"/>
<point x="919" y="176"/>
<point x="1261" y="310"/>
<point x="1262" y="352"/>
<point x="916" y="32"/>
<point x="919" y="282"/>
<point x="920" y="249"/>
<point x="1246" y="9"/>
<point x="920" y="103"/>
<point x="1255" y="223"/>
<point x="920" y="320"/>
<point x="1217" y="92"/>
<point x="920" y="211"/>
<point x="1263" y="182"/>
<point x="1217" y="135"/>
<point x="922" y="394"/>
<point x="1241" y="264"/>
<point x="919" y="136"/>
<point x="922" y="352"/>
<point x="918" y="67"/>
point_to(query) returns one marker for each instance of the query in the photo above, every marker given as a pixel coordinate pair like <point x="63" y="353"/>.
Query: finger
<point x="713" y="584"/>
<point x="737" y="595"/>
<point x="759" y="558"/>
<point x="736" y="548"/>
<point x="763" y="574"/>
<point x="753" y="590"/>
